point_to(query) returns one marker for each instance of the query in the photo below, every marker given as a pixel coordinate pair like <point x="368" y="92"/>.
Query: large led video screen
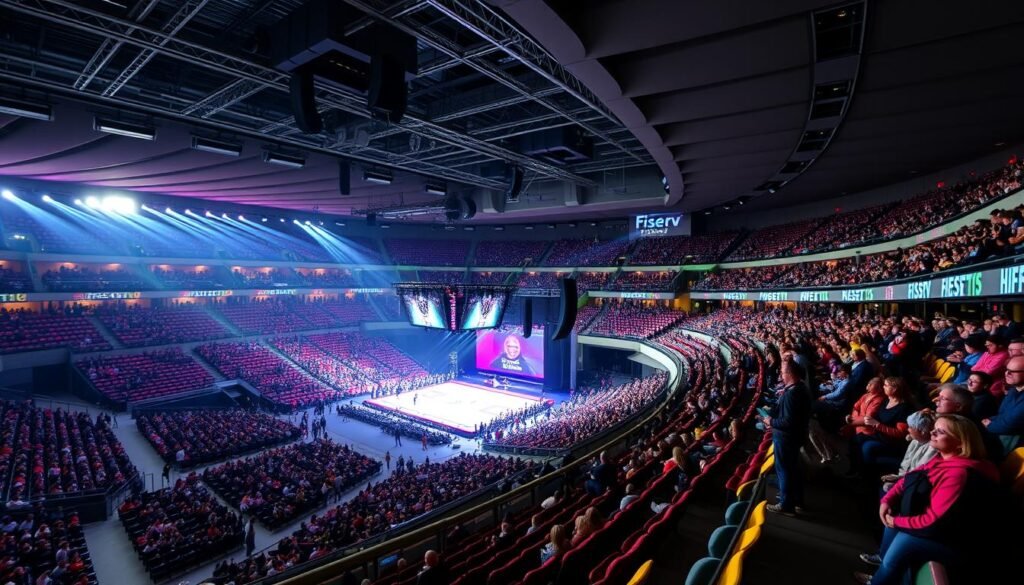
<point x="483" y="310"/>
<point x="426" y="308"/>
<point x="506" y="351"/>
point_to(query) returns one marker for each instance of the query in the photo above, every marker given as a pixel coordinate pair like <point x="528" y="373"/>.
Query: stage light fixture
<point x="188" y="212"/>
<point x="124" y="129"/>
<point x="377" y="178"/>
<point x="276" y="158"/>
<point x="309" y="222"/>
<point x="439" y="190"/>
<point x="295" y="221"/>
<point x="216" y="146"/>
<point x="264" y="220"/>
<point x="47" y="199"/>
<point x="321" y="223"/>
<point x="224" y="216"/>
<point x="168" y="210"/>
<point x="92" y="202"/>
<point x="241" y="218"/>
<point x="78" y="202"/>
<point x="118" y="204"/>
<point x="26" y="110"/>
<point x="282" y="220"/>
<point x="8" y="195"/>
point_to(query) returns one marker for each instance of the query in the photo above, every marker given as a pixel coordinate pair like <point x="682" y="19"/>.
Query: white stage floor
<point x="459" y="405"/>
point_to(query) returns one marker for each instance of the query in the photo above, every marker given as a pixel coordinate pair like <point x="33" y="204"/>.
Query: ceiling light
<point x="309" y="222"/>
<point x="224" y="216"/>
<point x="385" y="226"/>
<point x="78" y="202"/>
<point x="241" y="218"/>
<point x="208" y="214"/>
<point x="439" y="190"/>
<point x="529" y="227"/>
<point x="264" y="220"/>
<point x="339" y="223"/>
<point x="276" y="158"/>
<point x="8" y="195"/>
<point x="124" y="129"/>
<point x="499" y="228"/>
<point x="168" y="210"/>
<point x="188" y="212"/>
<point x="26" y="110"/>
<point x="216" y="146"/>
<point x="468" y="228"/>
<point x="92" y="202"/>
<point x="295" y="221"/>
<point x="47" y="199"/>
<point x="377" y="178"/>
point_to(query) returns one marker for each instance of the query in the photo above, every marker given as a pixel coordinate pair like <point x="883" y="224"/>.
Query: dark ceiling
<point x="717" y="94"/>
<point x="720" y="92"/>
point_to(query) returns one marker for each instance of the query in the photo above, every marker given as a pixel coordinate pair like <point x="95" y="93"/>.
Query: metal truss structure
<point x="481" y="82"/>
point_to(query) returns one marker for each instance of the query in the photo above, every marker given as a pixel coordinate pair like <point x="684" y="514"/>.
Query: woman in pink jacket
<point x="929" y="512"/>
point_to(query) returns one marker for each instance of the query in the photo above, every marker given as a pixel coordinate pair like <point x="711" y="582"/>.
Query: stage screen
<point x="483" y="310"/>
<point x="426" y="308"/>
<point x="506" y="351"/>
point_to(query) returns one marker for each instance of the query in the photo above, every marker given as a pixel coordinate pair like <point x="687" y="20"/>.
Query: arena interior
<point x="502" y="292"/>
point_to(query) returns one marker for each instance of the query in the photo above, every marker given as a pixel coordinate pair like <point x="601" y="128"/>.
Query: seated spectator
<point x="559" y="543"/>
<point x="919" y="452"/>
<point x="916" y="509"/>
<point x="1008" y="422"/>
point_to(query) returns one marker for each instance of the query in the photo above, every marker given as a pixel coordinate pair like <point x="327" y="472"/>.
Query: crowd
<point x="341" y="278"/>
<point x="931" y="449"/>
<point x="999" y="237"/>
<point x="323" y="366"/>
<point x="540" y="280"/>
<point x="285" y="315"/>
<point x="489" y="277"/>
<point x="632" y="319"/>
<point x="139" y="376"/>
<point x="592" y="280"/>
<point x="499" y="425"/>
<point x="48" y="453"/>
<point x="410" y="492"/>
<point x="510" y="252"/>
<point x="84" y="279"/>
<point x="198" y="437"/>
<point x="441" y="276"/>
<point x="633" y="280"/>
<point x="394" y="425"/>
<point x="681" y="249"/>
<point x="37" y="547"/>
<point x="588" y="412"/>
<point x="137" y="326"/>
<point x="25" y="330"/>
<point x="279" y="485"/>
<point x="14" y="281"/>
<point x="179" y="527"/>
<point x="195" y="279"/>
<point x="274" y="378"/>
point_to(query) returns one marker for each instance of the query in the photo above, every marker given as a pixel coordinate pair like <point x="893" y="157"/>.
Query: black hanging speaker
<point x="527" y="317"/>
<point x="303" y="98"/>
<point x="387" y="95"/>
<point x="514" y="176"/>
<point x="566" y="309"/>
<point x="344" y="177"/>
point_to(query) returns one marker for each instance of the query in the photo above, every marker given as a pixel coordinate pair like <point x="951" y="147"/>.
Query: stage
<point x="457" y="405"/>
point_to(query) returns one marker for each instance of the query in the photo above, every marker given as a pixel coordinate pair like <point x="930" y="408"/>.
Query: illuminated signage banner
<point x="275" y="291"/>
<point x="106" y="296"/>
<point x="188" y="294"/>
<point x="659" y="225"/>
<point x="13" y="297"/>
<point x="612" y="294"/>
<point x="989" y="283"/>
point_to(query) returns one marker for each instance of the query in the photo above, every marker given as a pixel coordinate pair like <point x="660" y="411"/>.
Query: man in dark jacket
<point x="434" y="571"/>
<point x="789" y="422"/>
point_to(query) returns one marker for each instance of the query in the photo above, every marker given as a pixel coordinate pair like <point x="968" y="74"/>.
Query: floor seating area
<point x="179" y="527"/>
<point x="282" y="484"/>
<point x="207" y="436"/>
<point x="31" y="550"/>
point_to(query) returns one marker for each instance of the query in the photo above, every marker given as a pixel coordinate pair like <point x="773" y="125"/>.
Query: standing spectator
<point x="387" y="460"/>
<point x="250" y="538"/>
<point x="789" y="423"/>
<point x="165" y="478"/>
